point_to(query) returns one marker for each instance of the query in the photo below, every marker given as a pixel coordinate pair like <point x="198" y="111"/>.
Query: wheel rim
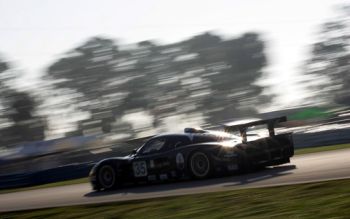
<point x="200" y="165"/>
<point x="107" y="177"/>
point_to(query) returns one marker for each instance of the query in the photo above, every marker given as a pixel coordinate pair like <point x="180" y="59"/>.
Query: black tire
<point x="200" y="165"/>
<point x="107" y="178"/>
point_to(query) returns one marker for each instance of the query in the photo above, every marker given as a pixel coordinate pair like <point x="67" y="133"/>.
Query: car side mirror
<point x="134" y="151"/>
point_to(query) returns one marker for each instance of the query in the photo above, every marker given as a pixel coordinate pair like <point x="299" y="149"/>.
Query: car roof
<point x="174" y="135"/>
<point x="188" y="135"/>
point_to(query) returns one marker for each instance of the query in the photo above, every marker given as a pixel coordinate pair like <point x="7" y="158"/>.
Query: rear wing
<point x="242" y="127"/>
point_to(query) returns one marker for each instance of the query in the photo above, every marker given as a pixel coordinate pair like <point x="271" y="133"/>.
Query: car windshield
<point x="153" y="145"/>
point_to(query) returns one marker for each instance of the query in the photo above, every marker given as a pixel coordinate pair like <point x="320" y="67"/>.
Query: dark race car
<point x="197" y="154"/>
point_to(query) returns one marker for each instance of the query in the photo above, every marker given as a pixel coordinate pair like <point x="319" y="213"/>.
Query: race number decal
<point x="140" y="168"/>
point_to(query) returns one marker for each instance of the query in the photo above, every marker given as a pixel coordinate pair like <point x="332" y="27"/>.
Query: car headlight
<point x="93" y="171"/>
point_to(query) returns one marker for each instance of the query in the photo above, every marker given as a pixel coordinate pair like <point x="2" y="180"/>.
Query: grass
<point x="314" y="200"/>
<point x="85" y="180"/>
<point x="321" y="149"/>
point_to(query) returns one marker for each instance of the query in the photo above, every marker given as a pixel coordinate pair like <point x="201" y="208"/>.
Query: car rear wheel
<point x="107" y="177"/>
<point x="200" y="165"/>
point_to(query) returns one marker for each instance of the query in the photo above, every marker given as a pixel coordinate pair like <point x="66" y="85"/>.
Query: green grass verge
<point x="315" y="200"/>
<point x="321" y="149"/>
<point x="85" y="180"/>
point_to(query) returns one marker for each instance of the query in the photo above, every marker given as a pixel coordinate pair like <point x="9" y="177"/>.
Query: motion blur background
<point x="80" y="75"/>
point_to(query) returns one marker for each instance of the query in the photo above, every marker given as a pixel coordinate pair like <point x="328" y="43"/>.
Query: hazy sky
<point x="33" y="33"/>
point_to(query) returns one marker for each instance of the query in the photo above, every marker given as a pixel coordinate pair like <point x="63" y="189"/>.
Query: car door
<point x="154" y="160"/>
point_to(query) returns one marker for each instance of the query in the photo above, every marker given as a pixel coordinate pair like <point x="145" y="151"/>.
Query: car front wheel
<point x="107" y="177"/>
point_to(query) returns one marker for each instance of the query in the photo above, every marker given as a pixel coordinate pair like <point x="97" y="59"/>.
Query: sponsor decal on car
<point x="232" y="167"/>
<point x="151" y="164"/>
<point x="230" y="154"/>
<point x="152" y="178"/>
<point x="163" y="176"/>
<point x="180" y="161"/>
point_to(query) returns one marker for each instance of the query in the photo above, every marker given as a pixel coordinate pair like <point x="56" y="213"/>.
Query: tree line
<point x="205" y="77"/>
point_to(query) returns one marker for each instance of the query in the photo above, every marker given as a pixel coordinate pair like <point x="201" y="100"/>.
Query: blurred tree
<point x="89" y="69"/>
<point x="203" y="76"/>
<point x="236" y="64"/>
<point x="3" y="66"/>
<point x="19" y="112"/>
<point x="328" y="69"/>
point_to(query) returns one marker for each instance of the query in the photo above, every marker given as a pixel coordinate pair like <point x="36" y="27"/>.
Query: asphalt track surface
<point x="304" y="168"/>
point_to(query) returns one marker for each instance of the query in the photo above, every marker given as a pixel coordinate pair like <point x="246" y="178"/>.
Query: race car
<point x="197" y="154"/>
